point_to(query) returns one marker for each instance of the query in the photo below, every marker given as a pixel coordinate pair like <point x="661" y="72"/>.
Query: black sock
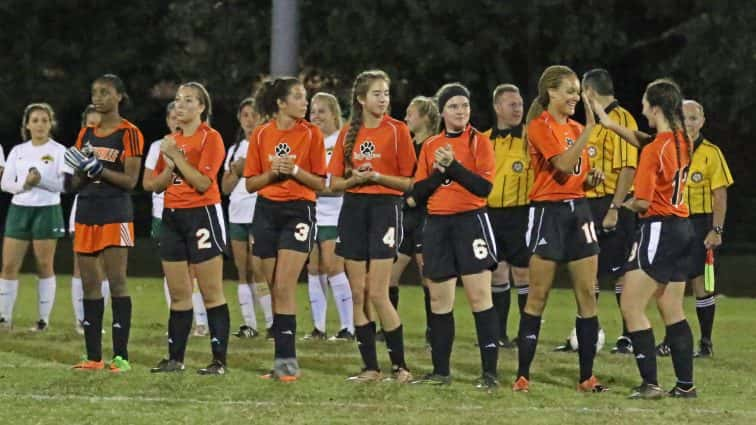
<point x="587" y="334"/>
<point x="179" y="326"/>
<point x="618" y="295"/>
<point x="442" y="339"/>
<point x="394" y="296"/>
<point x="93" y="310"/>
<point x="681" y="348"/>
<point x="502" y="297"/>
<point x="705" y="308"/>
<point x="426" y="298"/>
<point x="395" y="345"/>
<point x="121" y="326"/>
<point x="486" y="326"/>
<point x="285" y="336"/>
<point x="645" y="354"/>
<point x="527" y="340"/>
<point x="365" y="336"/>
<point x="522" y="298"/>
<point x="219" y="323"/>
<point x="597" y="291"/>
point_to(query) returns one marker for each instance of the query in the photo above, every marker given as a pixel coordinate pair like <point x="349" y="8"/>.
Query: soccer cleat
<point x="564" y="348"/>
<point x="624" y="346"/>
<point x="166" y="365"/>
<point x="246" y="332"/>
<point x="200" y="330"/>
<point x="591" y="385"/>
<point x="678" y="392"/>
<point x="119" y="364"/>
<point x="521" y="385"/>
<point x="399" y="375"/>
<point x="663" y="350"/>
<point x="487" y="382"/>
<point x="5" y="325"/>
<point x="647" y="391"/>
<point x="269" y="334"/>
<point x="504" y="342"/>
<point x="79" y="328"/>
<point x="379" y="336"/>
<point x="343" y="335"/>
<point x="366" y="376"/>
<point x="283" y="378"/>
<point x="433" y="379"/>
<point x="706" y="349"/>
<point x="40" y="326"/>
<point x="214" y="368"/>
<point x="88" y="365"/>
<point x="315" y="335"/>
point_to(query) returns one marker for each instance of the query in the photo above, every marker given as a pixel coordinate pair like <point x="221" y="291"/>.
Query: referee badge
<point x="592" y="151"/>
<point x="518" y="166"/>
<point x="696" y="177"/>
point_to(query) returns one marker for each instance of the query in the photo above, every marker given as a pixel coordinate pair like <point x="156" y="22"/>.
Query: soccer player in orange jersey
<point x="193" y="231"/>
<point x="373" y="162"/>
<point x="285" y="166"/>
<point x="454" y="174"/>
<point x="560" y="225"/>
<point x="659" y="261"/>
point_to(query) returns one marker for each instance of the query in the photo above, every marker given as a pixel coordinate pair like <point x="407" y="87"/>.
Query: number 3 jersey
<point x="204" y="151"/>
<point x="662" y="173"/>
<point x="101" y="202"/>
<point x="547" y="138"/>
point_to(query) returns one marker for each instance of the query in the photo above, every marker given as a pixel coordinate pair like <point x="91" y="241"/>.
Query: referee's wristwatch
<point x="614" y="206"/>
<point x="718" y="230"/>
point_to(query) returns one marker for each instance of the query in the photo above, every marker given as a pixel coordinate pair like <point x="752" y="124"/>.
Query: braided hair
<point x="359" y="90"/>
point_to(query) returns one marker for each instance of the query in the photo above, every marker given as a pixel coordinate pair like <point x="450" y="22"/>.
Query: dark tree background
<point x="52" y="50"/>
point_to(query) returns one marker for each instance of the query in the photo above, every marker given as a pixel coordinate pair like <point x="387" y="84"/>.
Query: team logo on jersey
<point x="106" y="154"/>
<point x="518" y="166"/>
<point x="569" y="141"/>
<point x="696" y="177"/>
<point x="367" y="151"/>
<point x="592" y="151"/>
<point x="47" y="158"/>
<point x="282" y="149"/>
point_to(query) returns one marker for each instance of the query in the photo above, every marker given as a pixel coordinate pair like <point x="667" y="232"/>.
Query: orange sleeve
<point x="80" y="137"/>
<point x="645" y="178"/>
<point x="212" y="156"/>
<point x="253" y="163"/>
<point x="336" y="165"/>
<point x="133" y="142"/>
<point x="317" y="153"/>
<point x="405" y="152"/>
<point x="422" y="167"/>
<point x="543" y="139"/>
<point x="485" y="159"/>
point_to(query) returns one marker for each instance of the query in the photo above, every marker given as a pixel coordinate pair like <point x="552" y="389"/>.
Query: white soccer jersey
<point x="241" y="208"/>
<point x="149" y="164"/>
<point x="327" y="208"/>
<point x="49" y="161"/>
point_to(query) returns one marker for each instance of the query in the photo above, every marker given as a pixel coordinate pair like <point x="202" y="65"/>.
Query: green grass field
<point x="37" y="387"/>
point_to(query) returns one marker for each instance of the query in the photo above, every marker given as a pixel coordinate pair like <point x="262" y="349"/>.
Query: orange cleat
<point x="89" y="365"/>
<point x="521" y="385"/>
<point x="591" y="385"/>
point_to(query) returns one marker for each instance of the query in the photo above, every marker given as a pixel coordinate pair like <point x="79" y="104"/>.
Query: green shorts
<point x="34" y="223"/>
<point x="240" y="231"/>
<point x="155" y="229"/>
<point x="327" y="233"/>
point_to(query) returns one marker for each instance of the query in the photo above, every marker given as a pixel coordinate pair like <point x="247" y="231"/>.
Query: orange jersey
<point x="387" y="149"/>
<point x="474" y="153"/>
<point x="303" y="143"/>
<point x="662" y="173"/>
<point x="547" y="139"/>
<point x="204" y="151"/>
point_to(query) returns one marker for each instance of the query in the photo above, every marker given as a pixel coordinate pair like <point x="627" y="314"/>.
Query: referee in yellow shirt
<point x="617" y="159"/>
<point x="508" y="203"/>
<point x="706" y="196"/>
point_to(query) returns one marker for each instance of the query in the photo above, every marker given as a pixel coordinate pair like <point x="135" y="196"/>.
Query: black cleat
<point x="379" y="336"/>
<point x="343" y="335"/>
<point x="166" y="366"/>
<point x="564" y="348"/>
<point x="315" y="335"/>
<point x="40" y="326"/>
<point x="433" y="379"/>
<point x="624" y="346"/>
<point x="647" y="391"/>
<point x="663" y="350"/>
<point x="706" y="349"/>
<point x="269" y="334"/>
<point x="504" y="342"/>
<point x="678" y="392"/>
<point x="246" y="332"/>
<point x="214" y="368"/>
<point x="487" y="382"/>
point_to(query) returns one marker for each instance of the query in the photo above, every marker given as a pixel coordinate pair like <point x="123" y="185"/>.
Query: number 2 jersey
<point x="662" y="173"/>
<point x="101" y="202"/>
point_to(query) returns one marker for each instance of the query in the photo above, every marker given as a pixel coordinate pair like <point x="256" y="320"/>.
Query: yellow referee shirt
<point x="708" y="171"/>
<point x="514" y="177"/>
<point x="609" y="152"/>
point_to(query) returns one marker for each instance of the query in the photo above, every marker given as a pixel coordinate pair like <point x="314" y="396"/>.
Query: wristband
<point x="718" y="230"/>
<point x="295" y="170"/>
<point x="374" y="177"/>
<point x="614" y="206"/>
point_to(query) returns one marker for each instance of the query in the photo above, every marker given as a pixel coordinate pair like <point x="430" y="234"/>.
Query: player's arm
<point x="313" y="181"/>
<point x="719" y="211"/>
<point x="232" y="175"/>
<point x="394" y="182"/>
<point x="160" y="178"/>
<point x="127" y="179"/>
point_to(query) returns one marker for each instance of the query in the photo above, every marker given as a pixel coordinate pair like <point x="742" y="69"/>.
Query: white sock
<point x="77" y="298"/>
<point x="342" y="294"/>
<point x="46" y="297"/>
<point x="167" y="293"/>
<point x="105" y="288"/>
<point x="8" y="291"/>
<point x="262" y="294"/>
<point x="200" y="314"/>
<point x="247" y="305"/>
<point x="318" y="302"/>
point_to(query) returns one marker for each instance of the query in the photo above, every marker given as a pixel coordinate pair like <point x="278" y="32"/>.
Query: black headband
<point x="450" y="92"/>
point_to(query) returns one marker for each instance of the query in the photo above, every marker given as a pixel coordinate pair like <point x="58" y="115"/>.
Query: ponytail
<point x="359" y="90"/>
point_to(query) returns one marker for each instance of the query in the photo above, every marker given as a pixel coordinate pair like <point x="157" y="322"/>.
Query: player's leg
<point x="240" y="252"/>
<point x="44" y="252"/>
<point x="115" y="260"/>
<point x="342" y="293"/>
<point x="14" y="251"/>
<point x="316" y="291"/>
